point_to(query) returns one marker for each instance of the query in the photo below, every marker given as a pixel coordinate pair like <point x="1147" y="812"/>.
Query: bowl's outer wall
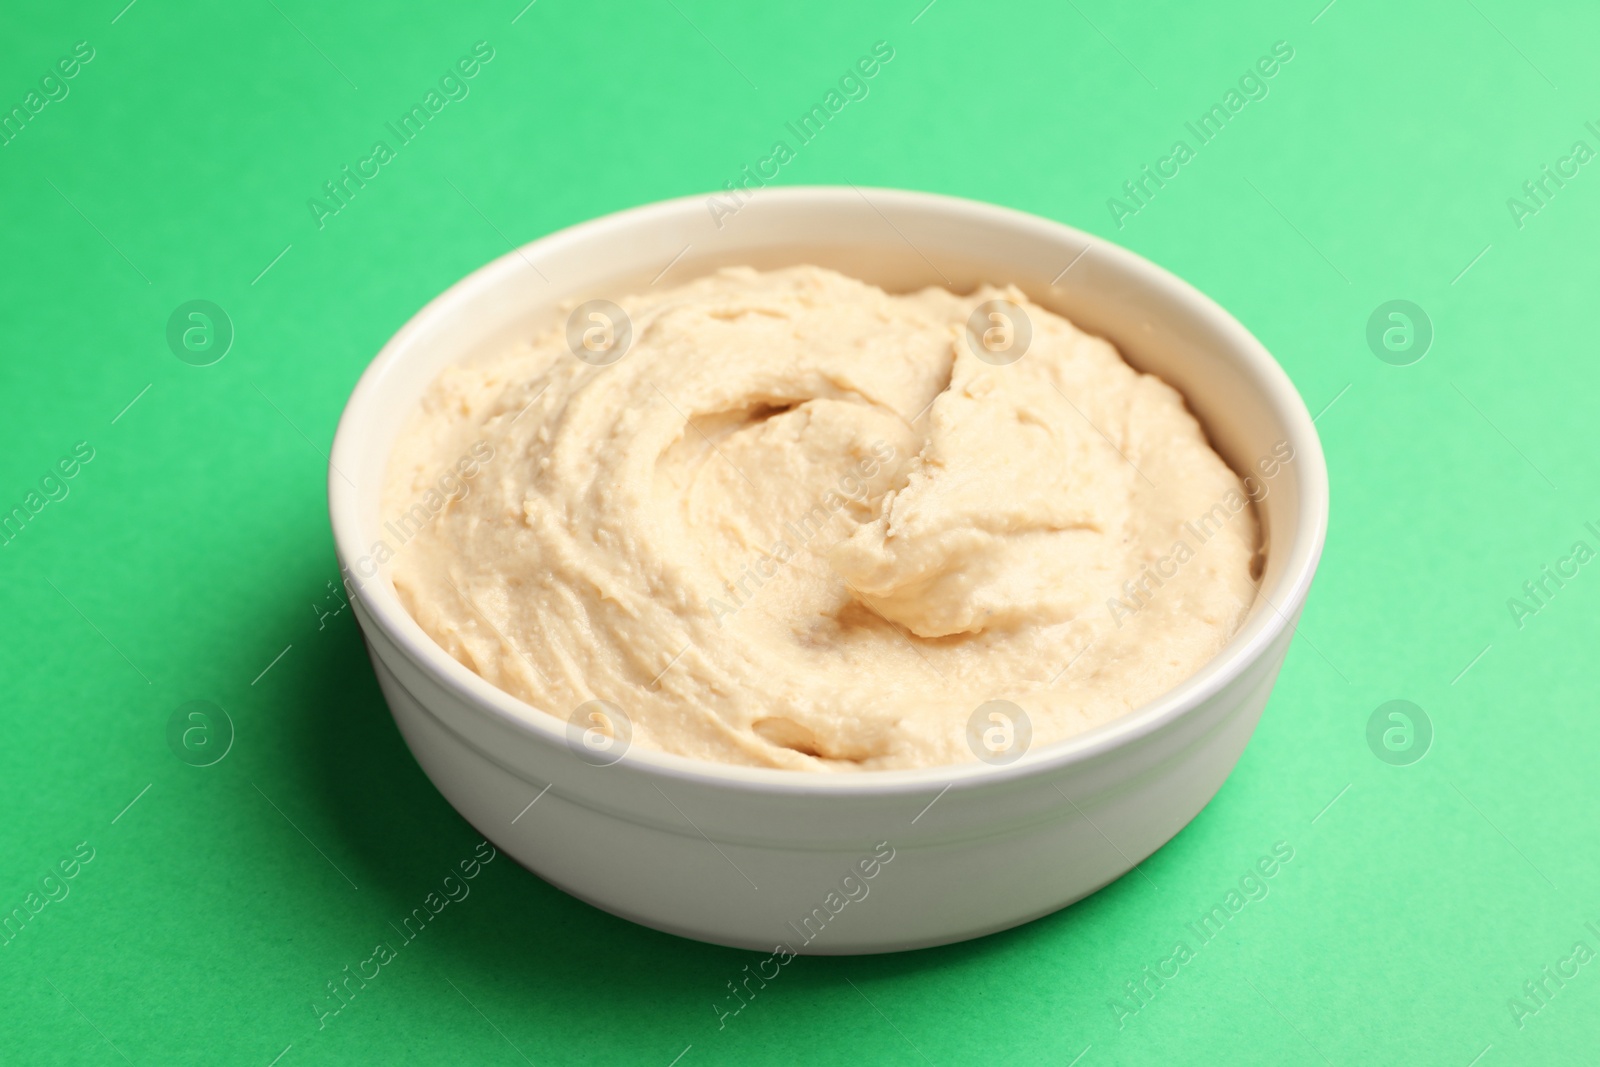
<point x="696" y="861"/>
<point x="681" y="847"/>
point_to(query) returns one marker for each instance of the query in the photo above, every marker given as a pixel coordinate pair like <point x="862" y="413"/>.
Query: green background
<point x="195" y="548"/>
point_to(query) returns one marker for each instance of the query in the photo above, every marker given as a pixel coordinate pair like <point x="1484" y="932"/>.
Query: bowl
<point x="791" y="862"/>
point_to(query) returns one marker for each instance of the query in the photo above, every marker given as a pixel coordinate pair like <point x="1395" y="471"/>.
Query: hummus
<point x="787" y="519"/>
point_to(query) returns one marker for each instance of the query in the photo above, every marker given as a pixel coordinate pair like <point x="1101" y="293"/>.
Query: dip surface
<point x="800" y="523"/>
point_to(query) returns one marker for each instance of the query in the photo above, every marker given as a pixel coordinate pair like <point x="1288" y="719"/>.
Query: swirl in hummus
<point x="801" y="524"/>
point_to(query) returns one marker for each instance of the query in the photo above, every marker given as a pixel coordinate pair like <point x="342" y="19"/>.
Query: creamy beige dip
<point x="801" y="523"/>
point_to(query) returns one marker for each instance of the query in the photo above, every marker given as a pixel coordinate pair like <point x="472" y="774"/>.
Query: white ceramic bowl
<point x="761" y="858"/>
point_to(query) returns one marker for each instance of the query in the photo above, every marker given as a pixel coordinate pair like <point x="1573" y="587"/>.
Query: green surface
<point x="193" y="548"/>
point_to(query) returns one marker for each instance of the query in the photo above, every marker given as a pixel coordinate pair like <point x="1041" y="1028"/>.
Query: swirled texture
<point x="801" y="524"/>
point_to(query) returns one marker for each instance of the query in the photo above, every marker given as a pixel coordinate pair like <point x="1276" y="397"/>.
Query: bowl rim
<point x="1245" y="648"/>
